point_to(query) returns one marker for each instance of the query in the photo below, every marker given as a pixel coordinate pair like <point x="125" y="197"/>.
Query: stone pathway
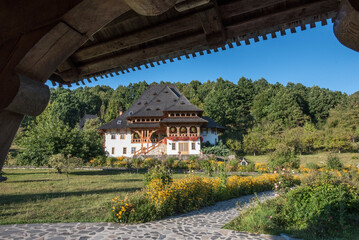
<point x="205" y="223"/>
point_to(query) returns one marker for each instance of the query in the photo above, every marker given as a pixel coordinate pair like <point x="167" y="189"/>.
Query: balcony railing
<point x="184" y="135"/>
<point x="153" y="140"/>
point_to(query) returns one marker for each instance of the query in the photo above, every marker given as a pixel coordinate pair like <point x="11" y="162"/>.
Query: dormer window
<point x="131" y="113"/>
<point x="119" y="122"/>
<point x="158" y="100"/>
<point x="183" y="103"/>
<point x="148" y="109"/>
<point x="139" y="103"/>
<point x="157" y="109"/>
<point x="155" y="94"/>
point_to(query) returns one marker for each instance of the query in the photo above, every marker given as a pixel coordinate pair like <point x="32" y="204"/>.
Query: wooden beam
<point x="138" y="37"/>
<point x="213" y="27"/>
<point x="286" y="16"/>
<point x="239" y="7"/>
<point x="143" y="54"/>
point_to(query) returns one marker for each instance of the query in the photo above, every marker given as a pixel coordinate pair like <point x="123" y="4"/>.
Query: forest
<point x="259" y="118"/>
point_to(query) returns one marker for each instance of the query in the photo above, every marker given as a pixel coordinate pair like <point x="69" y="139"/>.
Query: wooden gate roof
<point x="134" y="42"/>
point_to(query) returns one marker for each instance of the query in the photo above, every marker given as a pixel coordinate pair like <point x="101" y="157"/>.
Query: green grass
<point x="38" y="196"/>
<point x="319" y="158"/>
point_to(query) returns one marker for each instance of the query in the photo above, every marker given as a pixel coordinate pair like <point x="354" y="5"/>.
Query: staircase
<point x="145" y="150"/>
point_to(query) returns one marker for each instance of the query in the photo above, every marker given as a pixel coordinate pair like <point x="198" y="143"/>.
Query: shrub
<point x="312" y="166"/>
<point x="218" y="150"/>
<point x="233" y="165"/>
<point x="207" y="166"/>
<point x="170" y="162"/>
<point x="283" y="157"/>
<point x="111" y="161"/>
<point x="161" y="199"/>
<point x="138" y="162"/>
<point x="64" y="164"/>
<point x="333" y="162"/>
<point x="158" y="172"/>
<point x="327" y="208"/>
<point x="151" y="162"/>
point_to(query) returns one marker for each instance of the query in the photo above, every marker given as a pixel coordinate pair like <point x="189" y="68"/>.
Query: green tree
<point x="254" y="143"/>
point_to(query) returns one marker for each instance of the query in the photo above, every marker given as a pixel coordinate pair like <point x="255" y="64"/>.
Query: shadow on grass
<point x="4" y="172"/>
<point x="35" y="180"/>
<point x="104" y="172"/>
<point x="22" y="198"/>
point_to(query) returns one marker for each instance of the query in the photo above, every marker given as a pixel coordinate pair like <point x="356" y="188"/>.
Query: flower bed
<point x="158" y="200"/>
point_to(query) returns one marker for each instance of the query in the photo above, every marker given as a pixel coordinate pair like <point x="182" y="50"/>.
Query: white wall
<point x="210" y="136"/>
<point x="190" y="151"/>
<point x="119" y="144"/>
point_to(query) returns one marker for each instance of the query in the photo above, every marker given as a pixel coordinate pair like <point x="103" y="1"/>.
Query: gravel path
<point x="205" y="223"/>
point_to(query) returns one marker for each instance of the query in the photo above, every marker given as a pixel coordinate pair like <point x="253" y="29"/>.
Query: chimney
<point x="120" y="113"/>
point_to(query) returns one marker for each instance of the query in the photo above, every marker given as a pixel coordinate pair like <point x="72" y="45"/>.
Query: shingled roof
<point x="161" y="98"/>
<point x="155" y="102"/>
<point x="211" y="123"/>
<point x="118" y="123"/>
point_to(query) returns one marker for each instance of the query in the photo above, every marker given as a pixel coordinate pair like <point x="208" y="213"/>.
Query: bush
<point x="182" y="195"/>
<point x="333" y="162"/>
<point x="158" y="172"/>
<point x="327" y="208"/>
<point x="170" y="162"/>
<point x="64" y="164"/>
<point x="110" y="161"/>
<point x="233" y="165"/>
<point x="312" y="166"/>
<point x="283" y="157"/>
<point x="218" y="150"/>
<point x="138" y="162"/>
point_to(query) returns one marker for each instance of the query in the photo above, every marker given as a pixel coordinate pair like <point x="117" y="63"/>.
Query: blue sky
<point x="311" y="57"/>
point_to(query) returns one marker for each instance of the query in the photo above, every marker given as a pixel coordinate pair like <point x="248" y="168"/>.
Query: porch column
<point x="178" y="131"/>
<point x="198" y="131"/>
<point x="188" y="131"/>
<point x="31" y="99"/>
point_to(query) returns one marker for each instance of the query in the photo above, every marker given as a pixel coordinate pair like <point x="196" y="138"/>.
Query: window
<point x="204" y="131"/>
<point x="133" y="150"/>
<point x="131" y="113"/>
<point x="173" y="146"/>
<point x="124" y="150"/>
<point x="193" y="146"/>
<point x="113" y="135"/>
<point x="122" y="136"/>
<point x="113" y="150"/>
<point x="119" y="122"/>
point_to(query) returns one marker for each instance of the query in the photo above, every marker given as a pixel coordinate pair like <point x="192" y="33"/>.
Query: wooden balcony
<point x="154" y="140"/>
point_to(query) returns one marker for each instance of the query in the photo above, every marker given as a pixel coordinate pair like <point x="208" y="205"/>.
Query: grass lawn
<point x="319" y="158"/>
<point x="36" y="196"/>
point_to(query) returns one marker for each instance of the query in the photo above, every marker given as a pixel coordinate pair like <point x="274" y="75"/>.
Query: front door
<point x="183" y="148"/>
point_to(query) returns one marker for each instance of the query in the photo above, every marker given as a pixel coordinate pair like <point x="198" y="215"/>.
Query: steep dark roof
<point x="153" y="102"/>
<point x="159" y="98"/>
<point x="118" y="123"/>
<point x="211" y="123"/>
<point x="84" y="118"/>
<point x="184" y="120"/>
